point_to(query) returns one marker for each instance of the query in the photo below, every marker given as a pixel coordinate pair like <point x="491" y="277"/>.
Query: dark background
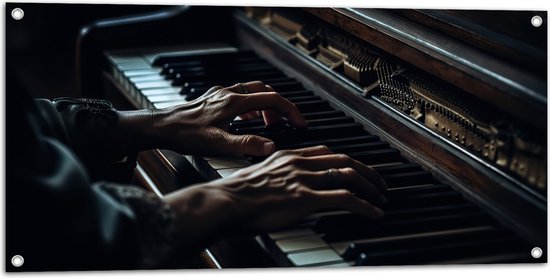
<point x="40" y="48"/>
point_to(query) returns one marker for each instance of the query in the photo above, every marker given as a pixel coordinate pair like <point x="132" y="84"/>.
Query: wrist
<point x="202" y="212"/>
<point x="138" y="129"/>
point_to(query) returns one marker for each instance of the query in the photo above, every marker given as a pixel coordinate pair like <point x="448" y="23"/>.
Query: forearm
<point x="138" y="129"/>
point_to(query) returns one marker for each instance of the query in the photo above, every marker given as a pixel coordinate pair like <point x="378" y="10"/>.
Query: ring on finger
<point x="243" y="88"/>
<point x="332" y="175"/>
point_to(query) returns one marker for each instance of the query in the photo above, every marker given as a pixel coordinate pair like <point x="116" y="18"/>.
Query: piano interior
<point x="449" y="107"/>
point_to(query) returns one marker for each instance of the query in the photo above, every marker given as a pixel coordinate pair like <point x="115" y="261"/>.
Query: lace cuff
<point x="91" y="125"/>
<point x="154" y="222"/>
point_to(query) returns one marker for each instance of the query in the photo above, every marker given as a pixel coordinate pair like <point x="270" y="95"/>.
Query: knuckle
<point x="247" y="139"/>
<point x="294" y="106"/>
<point x="349" y="171"/>
<point x="232" y="97"/>
<point x="303" y="192"/>
<point x="281" y="153"/>
<point x="323" y="148"/>
<point x="343" y="158"/>
<point x="273" y="94"/>
<point x="294" y="160"/>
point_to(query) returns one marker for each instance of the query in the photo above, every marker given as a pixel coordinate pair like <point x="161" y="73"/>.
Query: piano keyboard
<point x="425" y="222"/>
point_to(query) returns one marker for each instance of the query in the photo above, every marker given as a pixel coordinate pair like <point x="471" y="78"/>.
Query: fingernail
<point x="269" y="147"/>
<point x="378" y="212"/>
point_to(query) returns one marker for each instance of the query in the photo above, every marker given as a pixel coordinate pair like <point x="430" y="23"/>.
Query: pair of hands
<point x="284" y="188"/>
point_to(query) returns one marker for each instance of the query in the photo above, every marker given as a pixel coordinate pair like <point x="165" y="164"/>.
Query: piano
<point x="449" y="109"/>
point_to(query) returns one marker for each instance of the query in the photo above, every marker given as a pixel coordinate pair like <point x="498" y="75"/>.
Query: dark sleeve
<point x="90" y="130"/>
<point x="57" y="219"/>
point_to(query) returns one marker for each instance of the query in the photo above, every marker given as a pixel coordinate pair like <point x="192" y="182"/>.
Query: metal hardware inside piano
<point x="457" y="131"/>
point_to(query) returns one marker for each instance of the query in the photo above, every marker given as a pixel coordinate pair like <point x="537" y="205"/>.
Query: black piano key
<point x="329" y="121"/>
<point x="354" y="230"/>
<point x="205" y="67"/>
<point x="377" y="156"/>
<point x="202" y="86"/>
<point x="282" y="78"/>
<point x="397" y="168"/>
<point x="298" y="93"/>
<point x="325" y="132"/>
<point x="311" y="106"/>
<point x="420" y="240"/>
<point x="434" y="254"/>
<point x="424" y="199"/>
<point x="168" y="68"/>
<point x="418" y="189"/>
<point x="408" y="178"/>
<point x="167" y="59"/>
<point x="333" y="221"/>
<point x="220" y="70"/>
<point x="360" y="147"/>
<point x="303" y="98"/>
<point x="286" y="86"/>
<point x="224" y="78"/>
<point x="335" y="142"/>
<point x="392" y="214"/>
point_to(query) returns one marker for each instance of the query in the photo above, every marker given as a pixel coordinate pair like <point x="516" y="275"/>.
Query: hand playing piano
<point x="284" y="188"/>
<point x="201" y="126"/>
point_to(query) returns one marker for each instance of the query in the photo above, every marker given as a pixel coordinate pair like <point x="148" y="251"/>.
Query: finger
<point x="312" y="151"/>
<point x="270" y="116"/>
<point x="323" y="162"/>
<point x="273" y="101"/>
<point x="249" y="87"/>
<point x="344" y="199"/>
<point x="250" y="115"/>
<point x="344" y="178"/>
<point x="246" y="144"/>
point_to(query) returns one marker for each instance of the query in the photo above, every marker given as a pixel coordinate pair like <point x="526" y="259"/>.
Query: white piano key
<point x="230" y="162"/>
<point x="125" y="58"/>
<point x="132" y="73"/>
<point x="149" y="77"/>
<point x="224" y="173"/>
<point x="290" y="233"/>
<point x="163" y="98"/>
<point x="152" y="92"/>
<point x="325" y="256"/>
<point x="161" y="105"/>
<point x="301" y="243"/>
<point x="153" y="84"/>
<point x="133" y="65"/>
